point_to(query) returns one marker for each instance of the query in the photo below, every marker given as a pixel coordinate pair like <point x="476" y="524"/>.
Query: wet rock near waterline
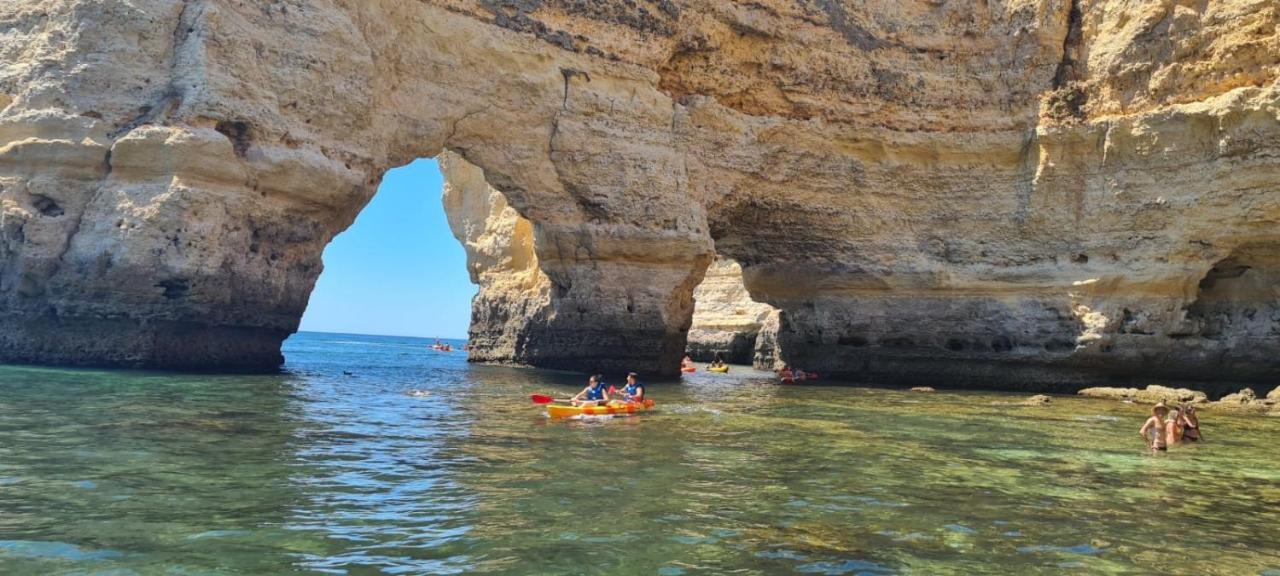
<point x="1246" y="400"/>
<point x="922" y="389"/>
<point x="1150" y="394"/>
<point x="1037" y="400"/>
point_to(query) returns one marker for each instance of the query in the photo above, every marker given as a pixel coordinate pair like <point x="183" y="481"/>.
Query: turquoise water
<point x="319" y="472"/>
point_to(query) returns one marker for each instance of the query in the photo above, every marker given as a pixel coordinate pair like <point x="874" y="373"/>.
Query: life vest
<point x="596" y="392"/>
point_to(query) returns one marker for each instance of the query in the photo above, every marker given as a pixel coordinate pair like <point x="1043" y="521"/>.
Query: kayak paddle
<point x="544" y="399"/>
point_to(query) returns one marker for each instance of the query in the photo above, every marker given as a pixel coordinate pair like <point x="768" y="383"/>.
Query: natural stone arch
<point x="977" y="191"/>
<point x="203" y="201"/>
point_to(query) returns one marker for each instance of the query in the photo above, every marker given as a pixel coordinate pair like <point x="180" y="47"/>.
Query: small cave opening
<point x="1239" y="297"/>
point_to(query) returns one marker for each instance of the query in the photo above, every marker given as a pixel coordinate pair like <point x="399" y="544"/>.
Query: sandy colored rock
<point x="1150" y="395"/>
<point x="1037" y="400"/>
<point x="1274" y="395"/>
<point x="1246" y="400"/>
<point x="1007" y="194"/>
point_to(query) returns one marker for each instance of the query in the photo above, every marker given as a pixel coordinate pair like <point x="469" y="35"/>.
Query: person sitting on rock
<point x="1153" y="430"/>
<point x="594" y="394"/>
<point x="634" y="390"/>
<point x="1190" y="424"/>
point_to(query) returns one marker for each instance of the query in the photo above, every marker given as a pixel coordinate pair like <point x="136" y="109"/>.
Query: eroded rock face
<point x="1019" y="193"/>
<point x="725" y="318"/>
<point x="514" y="299"/>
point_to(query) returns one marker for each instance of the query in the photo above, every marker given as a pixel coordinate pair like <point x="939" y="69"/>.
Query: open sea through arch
<point x="377" y="455"/>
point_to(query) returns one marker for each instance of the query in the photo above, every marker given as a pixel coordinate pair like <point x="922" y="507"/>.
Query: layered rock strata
<point x="1019" y="193"/>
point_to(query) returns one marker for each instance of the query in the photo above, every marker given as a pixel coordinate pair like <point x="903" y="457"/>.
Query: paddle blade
<point x="541" y="399"/>
<point x="612" y="389"/>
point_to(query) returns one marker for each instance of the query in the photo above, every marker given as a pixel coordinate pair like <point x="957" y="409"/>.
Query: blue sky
<point x="397" y="271"/>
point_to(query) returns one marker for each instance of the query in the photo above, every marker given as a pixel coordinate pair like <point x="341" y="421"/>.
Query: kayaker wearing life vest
<point x="634" y="390"/>
<point x="595" y="393"/>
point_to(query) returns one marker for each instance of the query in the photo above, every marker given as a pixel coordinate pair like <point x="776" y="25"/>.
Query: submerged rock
<point x="1037" y="400"/>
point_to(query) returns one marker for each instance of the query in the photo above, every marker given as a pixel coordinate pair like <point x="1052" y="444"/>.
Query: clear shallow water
<point x="317" y="471"/>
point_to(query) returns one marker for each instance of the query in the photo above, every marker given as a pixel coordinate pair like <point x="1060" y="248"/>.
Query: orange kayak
<point x="612" y="408"/>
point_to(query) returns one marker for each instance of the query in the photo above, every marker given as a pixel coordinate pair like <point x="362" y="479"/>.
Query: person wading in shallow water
<point x="1153" y="430"/>
<point x="1173" y="429"/>
<point x="594" y="394"/>
<point x="1190" y="424"/>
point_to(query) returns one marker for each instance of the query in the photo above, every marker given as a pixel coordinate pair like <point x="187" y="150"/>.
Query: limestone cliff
<point x="725" y="318"/>
<point x="1017" y="192"/>
<point x="515" y="295"/>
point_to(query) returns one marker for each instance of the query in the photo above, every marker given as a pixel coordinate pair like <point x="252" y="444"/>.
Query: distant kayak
<point x="800" y="377"/>
<point x="610" y="409"/>
<point x="689" y="369"/>
<point x="718" y="369"/>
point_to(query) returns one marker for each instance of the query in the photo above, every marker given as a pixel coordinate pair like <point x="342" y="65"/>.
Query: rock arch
<point x="976" y="191"/>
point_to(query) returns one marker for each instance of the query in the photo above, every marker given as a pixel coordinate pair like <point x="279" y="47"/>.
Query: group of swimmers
<point x="598" y="394"/>
<point x="1164" y="428"/>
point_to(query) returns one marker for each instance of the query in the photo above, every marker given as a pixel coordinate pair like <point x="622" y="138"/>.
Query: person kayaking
<point x="634" y="390"/>
<point x="594" y="394"/>
<point x="717" y="362"/>
<point x="686" y="365"/>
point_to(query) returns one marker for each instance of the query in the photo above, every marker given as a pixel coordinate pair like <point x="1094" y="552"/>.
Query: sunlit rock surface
<point x="1032" y="193"/>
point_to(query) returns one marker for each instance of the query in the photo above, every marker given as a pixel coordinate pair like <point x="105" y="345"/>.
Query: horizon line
<point x="464" y="339"/>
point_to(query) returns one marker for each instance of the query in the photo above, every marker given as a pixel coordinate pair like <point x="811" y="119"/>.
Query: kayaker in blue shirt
<point x="634" y="390"/>
<point x="595" y="393"/>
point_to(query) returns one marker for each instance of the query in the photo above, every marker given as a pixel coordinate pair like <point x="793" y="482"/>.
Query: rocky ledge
<point x="1246" y="400"/>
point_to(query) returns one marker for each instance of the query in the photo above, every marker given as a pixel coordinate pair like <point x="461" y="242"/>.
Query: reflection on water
<point x="335" y="467"/>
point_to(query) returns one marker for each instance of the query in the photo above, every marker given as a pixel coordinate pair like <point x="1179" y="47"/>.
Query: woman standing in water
<point x="1173" y="428"/>
<point x="1190" y="424"/>
<point x="1153" y="431"/>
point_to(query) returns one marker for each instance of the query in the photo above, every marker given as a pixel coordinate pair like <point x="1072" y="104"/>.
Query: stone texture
<point x="725" y="318"/>
<point x="1149" y="395"/>
<point x="1025" y="193"/>
<point x="1246" y="400"/>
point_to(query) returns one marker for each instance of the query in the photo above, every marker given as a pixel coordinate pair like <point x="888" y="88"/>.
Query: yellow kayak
<point x="721" y="369"/>
<point x="612" y="408"/>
